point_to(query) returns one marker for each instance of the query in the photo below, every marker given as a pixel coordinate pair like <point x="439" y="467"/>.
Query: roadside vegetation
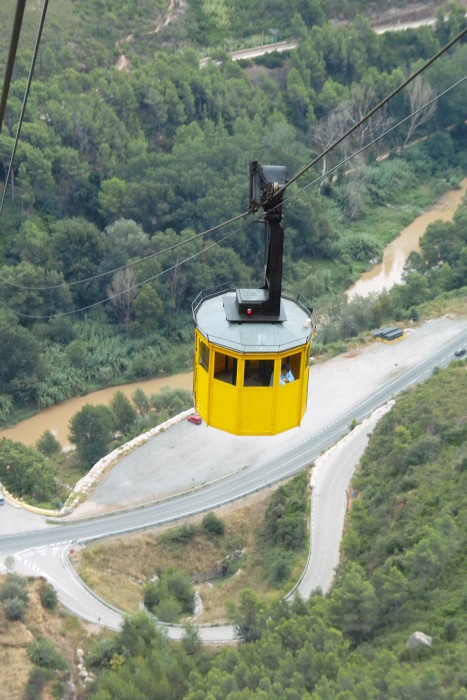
<point x="260" y="543"/>
<point x="403" y="570"/>
<point x="44" y="475"/>
<point x="39" y="640"/>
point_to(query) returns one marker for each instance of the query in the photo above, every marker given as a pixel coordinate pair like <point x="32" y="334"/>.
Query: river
<point x="389" y="271"/>
<point x="57" y="418"/>
<point x="385" y="275"/>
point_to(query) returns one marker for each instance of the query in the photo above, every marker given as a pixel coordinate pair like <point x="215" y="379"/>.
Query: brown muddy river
<point x="57" y="418"/>
<point x="385" y="275"/>
<point x="389" y="271"/>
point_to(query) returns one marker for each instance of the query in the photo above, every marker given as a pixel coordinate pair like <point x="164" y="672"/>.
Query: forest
<point x="119" y="172"/>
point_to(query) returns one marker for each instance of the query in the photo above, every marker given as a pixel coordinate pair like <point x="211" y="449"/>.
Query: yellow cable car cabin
<point x="248" y="340"/>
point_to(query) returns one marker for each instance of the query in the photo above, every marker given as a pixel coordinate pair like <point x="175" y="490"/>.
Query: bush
<point x="151" y="596"/>
<point x="278" y="571"/>
<point x="182" y="534"/>
<point x="168" y="610"/>
<point x="48" y="444"/>
<point x="180" y="588"/>
<point x="48" y="596"/>
<point x="102" y="651"/>
<point x="42" y="652"/>
<point x="14" y="608"/>
<point x="170" y="596"/>
<point x="15" y="586"/>
<point x="36" y="682"/>
<point x="213" y="525"/>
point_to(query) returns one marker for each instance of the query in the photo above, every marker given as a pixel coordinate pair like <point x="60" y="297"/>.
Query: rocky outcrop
<point x="418" y="639"/>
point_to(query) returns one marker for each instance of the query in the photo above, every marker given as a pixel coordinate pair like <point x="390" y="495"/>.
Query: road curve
<point x="44" y="551"/>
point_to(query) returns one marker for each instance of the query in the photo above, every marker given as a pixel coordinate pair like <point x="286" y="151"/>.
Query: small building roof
<point x="249" y="336"/>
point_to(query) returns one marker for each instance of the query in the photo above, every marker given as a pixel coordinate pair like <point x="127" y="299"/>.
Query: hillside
<point x="30" y="672"/>
<point x="403" y="570"/>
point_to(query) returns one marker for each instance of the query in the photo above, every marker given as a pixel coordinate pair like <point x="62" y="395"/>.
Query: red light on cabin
<point x="249" y="312"/>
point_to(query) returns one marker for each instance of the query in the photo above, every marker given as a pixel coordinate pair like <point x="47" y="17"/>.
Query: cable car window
<point x="294" y="361"/>
<point x="258" y="372"/>
<point x="204" y="355"/>
<point x="225" y="368"/>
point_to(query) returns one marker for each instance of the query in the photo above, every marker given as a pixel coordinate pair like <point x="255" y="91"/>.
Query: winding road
<point x="358" y="387"/>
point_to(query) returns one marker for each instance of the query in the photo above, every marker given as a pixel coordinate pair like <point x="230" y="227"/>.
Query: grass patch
<point x="454" y="302"/>
<point x="118" y="569"/>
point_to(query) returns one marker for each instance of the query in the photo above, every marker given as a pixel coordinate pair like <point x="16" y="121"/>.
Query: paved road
<point x="345" y="388"/>
<point x="281" y="46"/>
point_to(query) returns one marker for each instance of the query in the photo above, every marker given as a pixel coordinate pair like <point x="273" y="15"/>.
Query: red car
<point x="197" y="420"/>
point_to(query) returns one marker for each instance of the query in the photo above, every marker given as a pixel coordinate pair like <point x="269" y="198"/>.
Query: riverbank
<point x="386" y="274"/>
<point x="57" y="418"/>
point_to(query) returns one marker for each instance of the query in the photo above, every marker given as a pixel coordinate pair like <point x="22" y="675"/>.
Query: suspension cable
<point x="11" y="56"/>
<point x="25" y="99"/>
<point x="374" y="110"/>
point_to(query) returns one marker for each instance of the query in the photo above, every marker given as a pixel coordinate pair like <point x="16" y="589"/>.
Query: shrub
<point x="170" y="596"/>
<point x="15" y="586"/>
<point x="102" y="652"/>
<point x="168" y="610"/>
<point x="14" y="608"/>
<point x="180" y="588"/>
<point x="36" y="682"/>
<point x="278" y="571"/>
<point x="182" y="534"/>
<point x="151" y="595"/>
<point x="213" y="525"/>
<point x="48" y="596"/>
<point x="42" y="652"/>
<point x="48" y="444"/>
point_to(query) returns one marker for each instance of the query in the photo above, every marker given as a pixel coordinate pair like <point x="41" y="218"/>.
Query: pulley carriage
<point x="244" y="337"/>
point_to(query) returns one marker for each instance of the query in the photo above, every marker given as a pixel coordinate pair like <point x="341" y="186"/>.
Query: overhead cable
<point x="375" y="140"/>
<point x="25" y="99"/>
<point x="125" y="291"/>
<point x="130" y="264"/>
<point x="11" y="56"/>
<point x="259" y="219"/>
<point x="374" y="110"/>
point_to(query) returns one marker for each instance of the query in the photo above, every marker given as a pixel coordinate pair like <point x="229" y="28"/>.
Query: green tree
<point x="20" y="354"/>
<point x="91" y="430"/>
<point x="48" y="444"/>
<point x="392" y="591"/>
<point x="140" y="400"/>
<point x="111" y="198"/>
<point x="354" y="605"/>
<point x="250" y="617"/>
<point x="77" y="249"/>
<point x="125" y="414"/>
<point x="6" y="407"/>
<point x="26" y="472"/>
<point x="212" y="524"/>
